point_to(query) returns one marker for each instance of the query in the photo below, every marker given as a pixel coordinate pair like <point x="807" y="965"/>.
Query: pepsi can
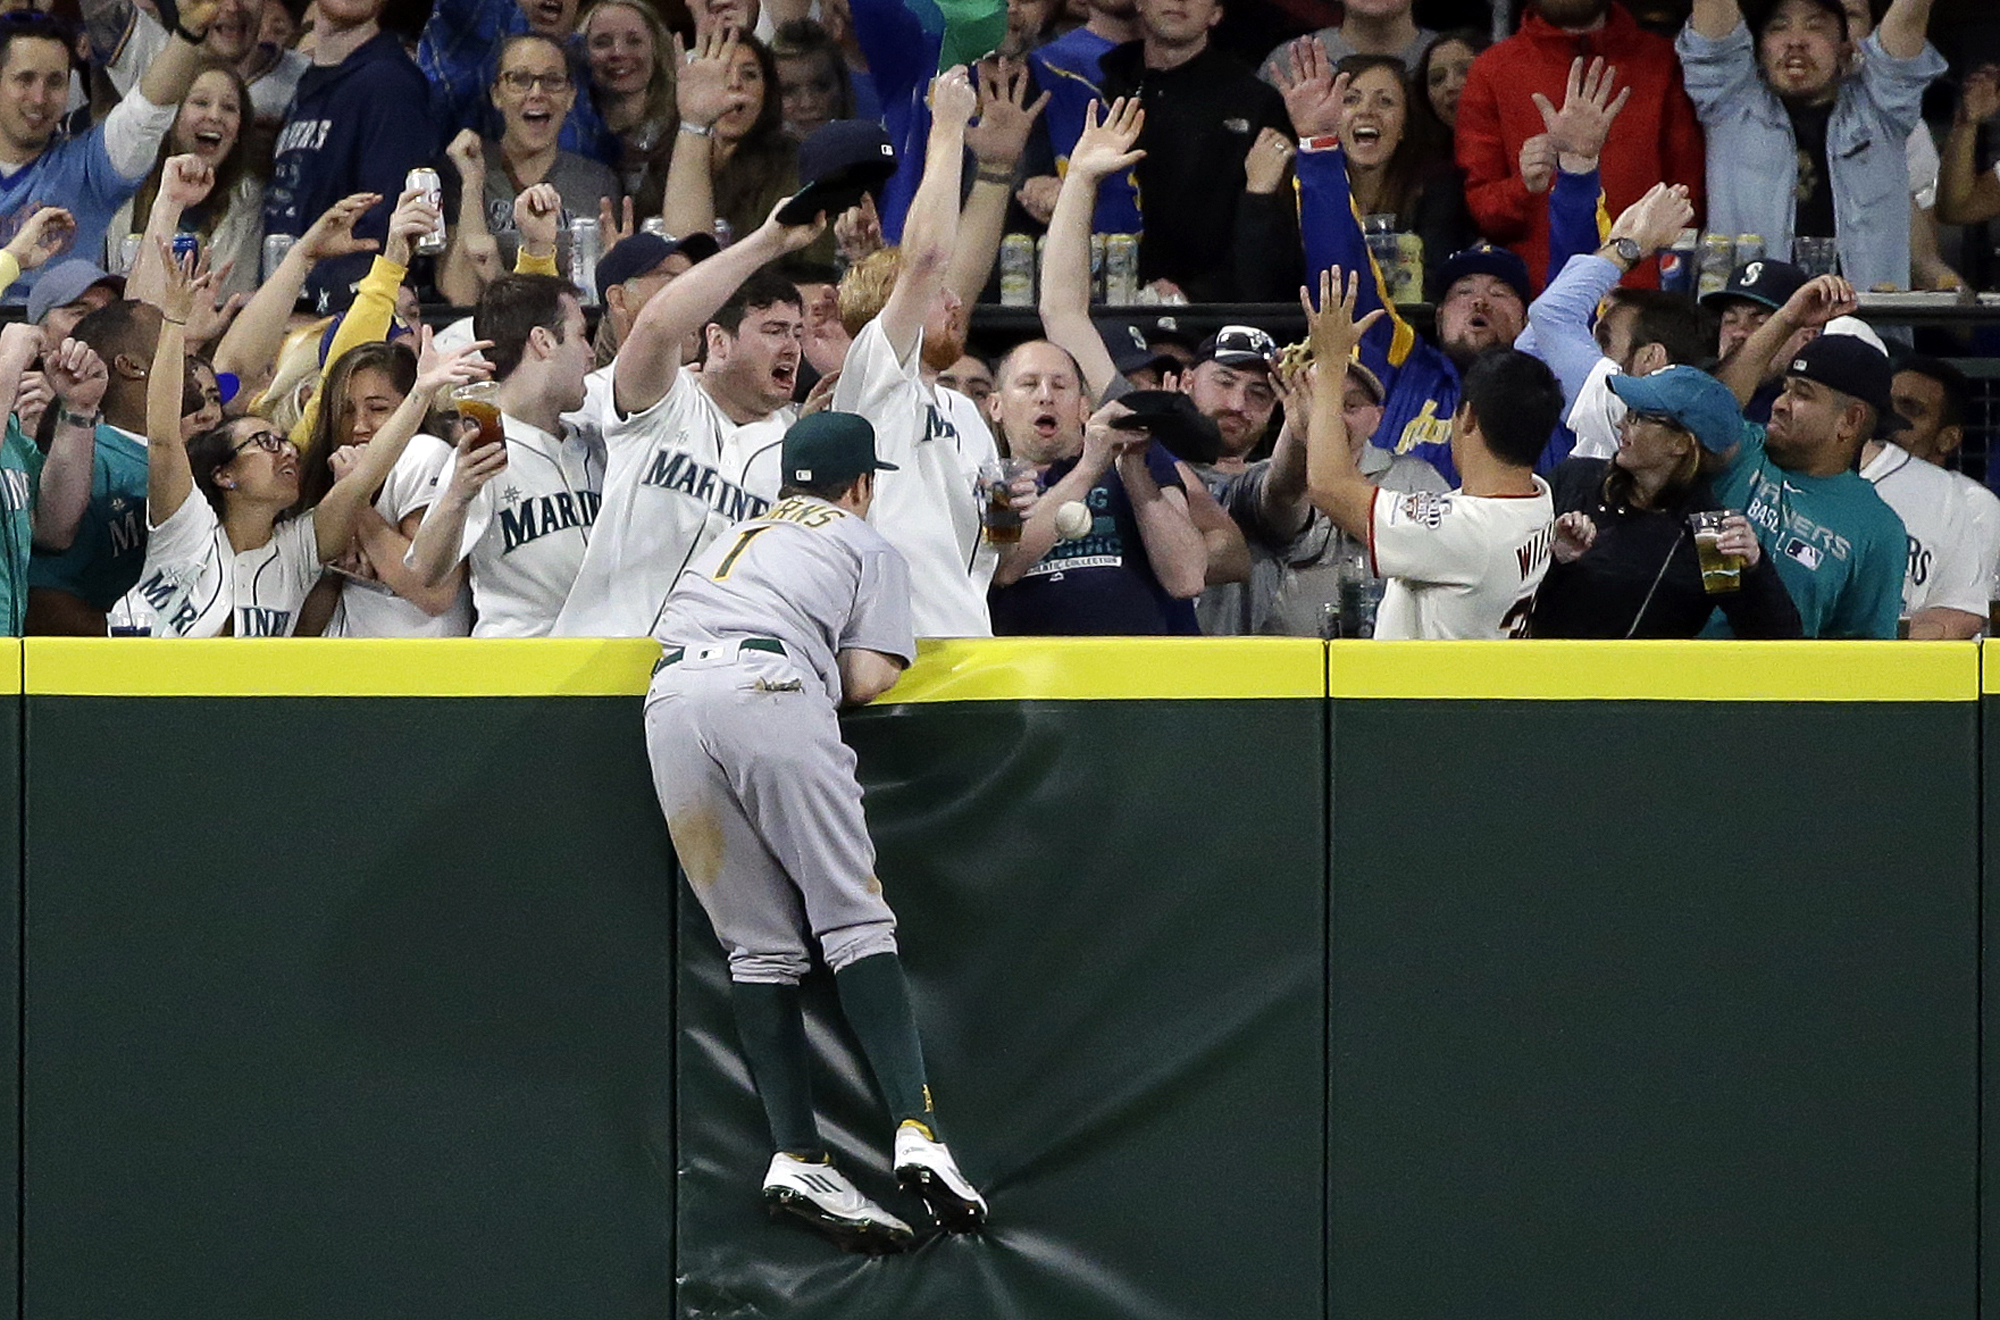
<point x="1677" y="263"/>
<point x="187" y="250"/>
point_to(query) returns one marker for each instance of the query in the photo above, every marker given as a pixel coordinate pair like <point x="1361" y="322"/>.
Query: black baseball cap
<point x="1171" y="418"/>
<point x="1484" y="258"/>
<point x="1767" y="283"/>
<point x="830" y="446"/>
<point x="840" y="161"/>
<point x="629" y="258"/>
<point x="1857" y="369"/>
<point x="1239" y="346"/>
<point x="1131" y="350"/>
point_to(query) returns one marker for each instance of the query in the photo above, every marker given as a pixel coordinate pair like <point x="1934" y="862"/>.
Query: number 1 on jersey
<point x="743" y="539"/>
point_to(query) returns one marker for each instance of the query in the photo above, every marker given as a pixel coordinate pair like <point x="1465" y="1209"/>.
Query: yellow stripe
<point x="10" y="666"/>
<point x="1114" y="669"/>
<point x="338" y="668"/>
<point x="1655" y="671"/>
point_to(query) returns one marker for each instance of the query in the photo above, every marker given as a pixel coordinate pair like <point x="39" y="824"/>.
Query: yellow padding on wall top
<point x="1114" y="669"/>
<point x="1656" y="671"/>
<point x="10" y="666"/>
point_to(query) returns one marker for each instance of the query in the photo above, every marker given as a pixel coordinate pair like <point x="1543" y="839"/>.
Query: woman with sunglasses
<point x="1625" y="563"/>
<point x="223" y="557"/>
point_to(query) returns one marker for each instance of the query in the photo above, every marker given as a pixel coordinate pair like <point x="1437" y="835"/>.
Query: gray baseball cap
<point x="63" y="282"/>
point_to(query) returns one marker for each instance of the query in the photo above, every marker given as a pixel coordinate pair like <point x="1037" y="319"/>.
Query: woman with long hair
<point x="227" y="554"/>
<point x="228" y="214"/>
<point x="632" y="86"/>
<point x="1388" y="167"/>
<point x="1436" y="84"/>
<point x="1625" y="563"/>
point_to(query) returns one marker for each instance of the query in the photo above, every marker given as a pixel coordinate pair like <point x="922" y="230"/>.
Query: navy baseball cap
<point x="1485" y="259"/>
<point x="1857" y="369"/>
<point x="1239" y="346"/>
<point x="830" y="446"/>
<point x="838" y="162"/>
<point x="1767" y="283"/>
<point x="1696" y="401"/>
<point x="63" y="282"/>
<point x="629" y="258"/>
<point x="1130" y="350"/>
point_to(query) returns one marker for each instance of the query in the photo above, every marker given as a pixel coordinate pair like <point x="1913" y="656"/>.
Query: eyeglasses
<point x="516" y="81"/>
<point x="268" y="441"/>
<point x="1658" y="419"/>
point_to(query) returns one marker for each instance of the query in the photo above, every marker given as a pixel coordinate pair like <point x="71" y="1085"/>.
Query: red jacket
<point x="1655" y="137"/>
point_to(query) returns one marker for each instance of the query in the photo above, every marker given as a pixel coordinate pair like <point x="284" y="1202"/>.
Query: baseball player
<point x="679" y="444"/>
<point x="777" y="623"/>
<point x="1460" y="565"/>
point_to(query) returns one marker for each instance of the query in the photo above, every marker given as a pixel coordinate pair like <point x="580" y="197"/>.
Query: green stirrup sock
<point x="875" y="996"/>
<point x="772" y="1026"/>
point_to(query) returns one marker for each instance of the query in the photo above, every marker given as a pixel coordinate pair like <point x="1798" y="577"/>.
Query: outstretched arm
<point x="1101" y="150"/>
<point x="1903" y="27"/>
<point x="930" y="228"/>
<point x="1968" y="195"/>
<point x="169" y="479"/>
<point x="996" y="142"/>
<point x="1715" y="19"/>
<point x="78" y="377"/>
<point x="1818" y="301"/>
<point x="704" y="91"/>
<point x="1333" y="479"/>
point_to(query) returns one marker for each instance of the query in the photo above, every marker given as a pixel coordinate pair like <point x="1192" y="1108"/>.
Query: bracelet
<point x="697" y="130"/>
<point x="86" y="420"/>
<point x="994" y="176"/>
<point x="171" y="321"/>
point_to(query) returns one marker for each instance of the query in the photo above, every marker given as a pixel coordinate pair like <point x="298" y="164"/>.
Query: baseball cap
<point x="1130" y="349"/>
<point x="1855" y="368"/>
<point x="629" y="258"/>
<point x="1171" y="418"/>
<point x="63" y="282"/>
<point x="1369" y="380"/>
<point x="1860" y="329"/>
<point x="1485" y="259"/>
<point x="1697" y="402"/>
<point x="1766" y="283"/>
<point x="830" y="446"/>
<point x="839" y="161"/>
<point x="1239" y="346"/>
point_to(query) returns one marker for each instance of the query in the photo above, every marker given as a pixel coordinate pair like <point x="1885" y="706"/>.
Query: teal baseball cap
<point x="1696" y="401"/>
<point x="830" y="446"/>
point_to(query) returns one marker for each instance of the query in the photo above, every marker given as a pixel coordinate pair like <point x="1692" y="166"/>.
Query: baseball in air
<point x="1073" y="520"/>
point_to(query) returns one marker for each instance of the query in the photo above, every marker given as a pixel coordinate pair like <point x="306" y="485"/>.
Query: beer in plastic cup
<point x="996" y="509"/>
<point x="479" y="404"/>
<point x="1719" y="572"/>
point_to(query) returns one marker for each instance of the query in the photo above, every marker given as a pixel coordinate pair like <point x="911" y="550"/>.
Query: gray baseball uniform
<point x="758" y="789"/>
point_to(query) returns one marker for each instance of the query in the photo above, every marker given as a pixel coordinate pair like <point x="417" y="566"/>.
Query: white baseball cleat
<point x="822" y="1196"/>
<point x="925" y="1167"/>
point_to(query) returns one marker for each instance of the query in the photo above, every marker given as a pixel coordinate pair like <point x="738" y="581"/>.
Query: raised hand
<point x="615" y="228"/>
<point x="1538" y="163"/>
<point x="184" y="280"/>
<point x="32" y="399"/>
<point x="1575" y="533"/>
<point x="1005" y="116"/>
<point x="186" y="180"/>
<point x="438" y="372"/>
<point x="1104" y="149"/>
<point x="537" y="215"/>
<point x="332" y="235"/>
<point x="467" y="155"/>
<point x="1266" y="162"/>
<point x="790" y="238"/>
<point x="1979" y="98"/>
<point x="208" y="319"/>
<point x="705" y="88"/>
<point x="48" y="231"/>
<point x="1313" y="94"/>
<point x="858" y="231"/>
<point x="1819" y="300"/>
<point x="953" y="99"/>
<point x="1037" y="196"/>
<point x="1584" y="122"/>
<point x="1331" y="329"/>
<point x="1656" y="219"/>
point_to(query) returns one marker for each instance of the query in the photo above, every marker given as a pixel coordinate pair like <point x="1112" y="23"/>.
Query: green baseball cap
<point x="830" y="446"/>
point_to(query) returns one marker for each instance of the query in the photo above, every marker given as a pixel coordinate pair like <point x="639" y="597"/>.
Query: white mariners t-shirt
<point x="1946" y="566"/>
<point x="366" y="611"/>
<point x="927" y="509"/>
<point x="1459" y="566"/>
<point x="195" y="584"/>
<point x="1983" y="507"/>
<point x="527" y="529"/>
<point x="673" y="482"/>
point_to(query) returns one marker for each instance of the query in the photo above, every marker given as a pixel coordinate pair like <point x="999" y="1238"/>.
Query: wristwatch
<point x="1627" y="251"/>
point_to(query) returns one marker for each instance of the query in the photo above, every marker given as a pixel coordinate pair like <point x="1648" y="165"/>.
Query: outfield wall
<point x="1258" y="978"/>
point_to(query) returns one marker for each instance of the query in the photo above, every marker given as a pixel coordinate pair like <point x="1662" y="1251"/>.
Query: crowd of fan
<point x="255" y="434"/>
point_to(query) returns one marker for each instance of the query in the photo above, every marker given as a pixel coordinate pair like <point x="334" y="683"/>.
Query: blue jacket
<point x="1067" y="69"/>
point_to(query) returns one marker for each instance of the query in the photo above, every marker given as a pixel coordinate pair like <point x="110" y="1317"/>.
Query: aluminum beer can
<point x="186" y="247"/>
<point x="584" y="241"/>
<point x="655" y="225"/>
<point x="276" y="248"/>
<point x="427" y="182"/>
<point x="1677" y="263"/>
<point x="1749" y="248"/>
<point x="1718" y="258"/>
<point x="1121" y="269"/>
<point x="1017" y="271"/>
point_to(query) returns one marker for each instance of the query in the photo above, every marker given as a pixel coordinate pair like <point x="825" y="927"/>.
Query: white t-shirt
<point x="527" y="529"/>
<point x="375" y="611"/>
<point x="1459" y="566"/>
<point x="673" y="482"/>
<point x="1946" y="565"/>
<point x="927" y="509"/>
<point x="195" y="584"/>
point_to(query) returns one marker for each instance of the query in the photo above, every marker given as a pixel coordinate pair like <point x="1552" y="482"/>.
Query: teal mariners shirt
<point x="20" y="477"/>
<point x="103" y="562"/>
<point x="1839" y="549"/>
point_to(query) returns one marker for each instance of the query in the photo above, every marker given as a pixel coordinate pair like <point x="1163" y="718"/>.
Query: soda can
<point x="128" y="253"/>
<point x="584" y="241"/>
<point x="426" y="181"/>
<point x="725" y="233"/>
<point x="1121" y="269"/>
<point x="1749" y="248"/>
<point x="1718" y="258"/>
<point x="1017" y="271"/>
<point x="653" y="224"/>
<point x="276" y="248"/>
<point x="187" y="248"/>
<point x="1097" y="268"/>
<point x="1677" y="263"/>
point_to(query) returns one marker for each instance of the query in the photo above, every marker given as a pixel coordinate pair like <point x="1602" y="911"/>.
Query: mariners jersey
<point x="372" y="610"/>
<point x="1459" y="566"/>
<point x="196" y="584"/>
<point x="1838" y="547"/>
<point x="674" y="481"/>
<point x="103" y="562"/>
<point x="810" y="574"/>
<point x="1983" y="507"/>
<point x="1946" y="566"/>
<point x="20" y="474"/>
<point x="527" y="529"/>
<point x="927" y="508"/>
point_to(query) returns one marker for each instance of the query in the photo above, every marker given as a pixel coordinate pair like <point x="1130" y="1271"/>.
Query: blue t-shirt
<point x="75" y="173"/>
<point x="1839" y="549"/>
<point x="1102" y="583"/>
<point x="103" y="562"/>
